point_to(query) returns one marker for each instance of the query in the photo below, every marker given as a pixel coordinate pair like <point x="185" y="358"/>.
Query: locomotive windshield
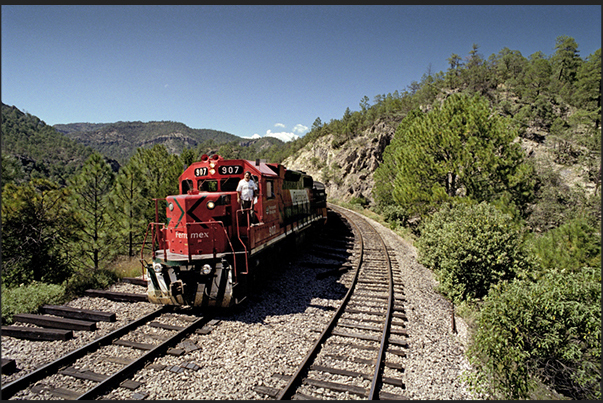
<point x="207" y="185"/>
<point x="187" y="185"/>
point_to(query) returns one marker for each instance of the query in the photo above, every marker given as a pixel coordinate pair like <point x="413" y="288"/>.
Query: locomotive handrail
<point x="248" y="234"/>
<point x="153" y="236"/>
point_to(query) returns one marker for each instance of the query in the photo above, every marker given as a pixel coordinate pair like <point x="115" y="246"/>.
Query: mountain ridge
<point x="120" y="140"/>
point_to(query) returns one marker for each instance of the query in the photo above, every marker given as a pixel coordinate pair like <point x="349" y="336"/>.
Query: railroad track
<point x="355" y="356"/>
<point x="131" y="356"/>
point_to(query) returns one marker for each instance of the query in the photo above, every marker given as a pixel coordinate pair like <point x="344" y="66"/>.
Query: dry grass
<point x="127" y="266"/>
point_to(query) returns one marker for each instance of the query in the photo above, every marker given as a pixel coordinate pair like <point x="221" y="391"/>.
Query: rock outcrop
<point x="347" y="171"/>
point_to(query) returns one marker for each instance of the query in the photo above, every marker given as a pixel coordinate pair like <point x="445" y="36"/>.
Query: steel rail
<point x="375" y="384"/>
<point x="296" y="379"/>
<point x="373" y="393"/>
<point x="115" y="379"/>
<point x="52" y="367"/>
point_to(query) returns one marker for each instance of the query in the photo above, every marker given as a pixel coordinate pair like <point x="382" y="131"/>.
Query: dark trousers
<point x="248" y="204"/>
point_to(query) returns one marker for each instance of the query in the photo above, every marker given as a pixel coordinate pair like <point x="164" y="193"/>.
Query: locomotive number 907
<point x="230" y="169"/>
<point x="201" y="171"/>
<point x="223" y="170"/>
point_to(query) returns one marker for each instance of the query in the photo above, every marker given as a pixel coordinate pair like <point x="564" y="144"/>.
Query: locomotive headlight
<point x="206" y="269"/>
<point x="212" y="171"/>
<point x="211" y="205"/>
<point x="171" y="206"/>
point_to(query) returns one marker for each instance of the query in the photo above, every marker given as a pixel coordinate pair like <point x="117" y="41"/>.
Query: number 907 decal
<point x="201" y="171"/>
<point x="230" y="169"/>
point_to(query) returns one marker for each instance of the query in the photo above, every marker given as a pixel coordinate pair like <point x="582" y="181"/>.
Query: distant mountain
<point x="78" y="127"/>
<point x="31" y="148"/>
<point x="121" y="139"/>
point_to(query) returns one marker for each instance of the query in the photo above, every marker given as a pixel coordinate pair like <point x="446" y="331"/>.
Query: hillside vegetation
<point x="492" y="168"/>
<point x="120" y="140"/>
<point x="32" y="149"/>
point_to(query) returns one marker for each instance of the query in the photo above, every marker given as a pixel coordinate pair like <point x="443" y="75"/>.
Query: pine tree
<point x="159" y="171"/>
<point x="91" y="188"/>
<point x="457" y="150"/>
<point x="127" y="209"/>
<point x="37" y="230"/>
<point x="588" y="87"/>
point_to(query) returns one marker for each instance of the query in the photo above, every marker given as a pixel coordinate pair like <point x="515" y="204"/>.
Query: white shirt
<point x="246" y="188"/>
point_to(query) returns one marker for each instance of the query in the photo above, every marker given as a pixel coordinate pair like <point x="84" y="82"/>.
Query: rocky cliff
<point x="347" y="171"/>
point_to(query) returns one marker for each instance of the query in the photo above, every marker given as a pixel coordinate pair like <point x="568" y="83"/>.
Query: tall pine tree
<point x="127" y="205"/>
<point x="91" y="188"/>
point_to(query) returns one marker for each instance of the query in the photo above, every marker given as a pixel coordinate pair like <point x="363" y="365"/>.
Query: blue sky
<point x="252" y="69"/>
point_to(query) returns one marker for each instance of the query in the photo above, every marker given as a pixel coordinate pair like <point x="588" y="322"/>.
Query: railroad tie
<point x="86" y="374"/>
<point x="336" y="386"/>
<point x="360" y="336"/>
<point x="400" y="332"/>
<point x="119" y="360"/>
<point x="337" y="371"/>
<point x="394" y="382"/>
<point x="117" y="296"/>
<point x="139" y="395"/>
<point x="165" y="326"/>
<point x="360" y="326"/>
<point x="302" y="396"/>
<point x="54" y="322"/>
<point x="130" y="384"/>
<point x="133" y="344"/>
<point x="176" y="351"/>
<point x="401" y="353"/>
<point x="8" y="366"/>
<point x="31" y="333"/>
<point x="76" y="313"/>
<point x="63" y="393"/>
<point x="353" y="359"/>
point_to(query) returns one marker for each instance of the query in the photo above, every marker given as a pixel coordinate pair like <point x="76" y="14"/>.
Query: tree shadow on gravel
<point x="306" y="278"/>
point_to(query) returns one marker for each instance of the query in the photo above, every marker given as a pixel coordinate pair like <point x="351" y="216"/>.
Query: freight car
<point x="209" y="249"/>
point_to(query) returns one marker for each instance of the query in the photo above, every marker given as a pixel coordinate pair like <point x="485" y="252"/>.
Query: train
<point x="208" y="249"/>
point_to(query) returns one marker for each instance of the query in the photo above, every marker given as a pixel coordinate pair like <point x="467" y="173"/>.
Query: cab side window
<point x="270" y="189"/>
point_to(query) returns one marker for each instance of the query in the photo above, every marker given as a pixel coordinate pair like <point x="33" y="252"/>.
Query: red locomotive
<point x="209" y="248"/>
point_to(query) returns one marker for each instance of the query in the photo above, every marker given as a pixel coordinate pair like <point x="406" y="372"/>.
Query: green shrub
<point x="317" y="163"/>
<point x="570" y="246"/>
<point x="82" y="281"/>
<point x="361" y="201"/>
<point x="28" y="298"/>
<point x="392" y="213"/>
<point x="470" y="247"/>
<point x="547" y="331"/>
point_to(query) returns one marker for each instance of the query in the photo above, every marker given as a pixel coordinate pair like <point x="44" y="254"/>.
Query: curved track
<point x="351" y="353"/>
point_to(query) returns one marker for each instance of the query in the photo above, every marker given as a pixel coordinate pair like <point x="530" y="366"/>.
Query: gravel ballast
<point x="270" y="335"/>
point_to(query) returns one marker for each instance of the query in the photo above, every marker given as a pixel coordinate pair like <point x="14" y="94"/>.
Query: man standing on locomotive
<point x="246" y="191"/>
